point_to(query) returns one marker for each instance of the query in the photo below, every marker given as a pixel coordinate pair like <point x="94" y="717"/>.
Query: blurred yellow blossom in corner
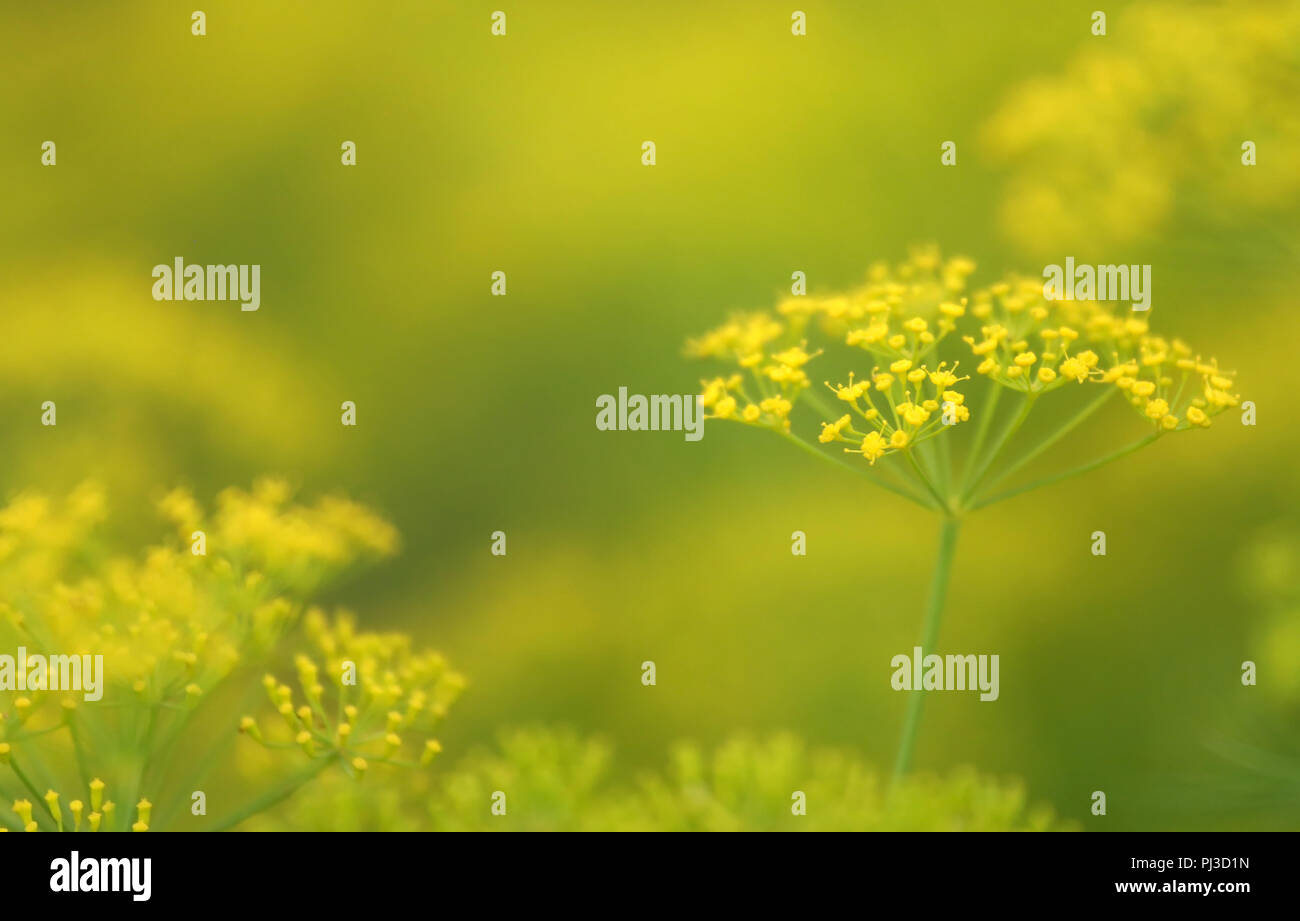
<point x="173" y="624"/>
<point x="1150" y="122"/>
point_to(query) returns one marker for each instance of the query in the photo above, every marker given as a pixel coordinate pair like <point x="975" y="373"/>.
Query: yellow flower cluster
<point x="1031" y="344"/>
<point x="902" y="311"/>
<point x="903" y="317"/>
<point x="51" y="814"/>
<point x="368" y="698"/>
<point x="260" y="530"/>
<point x="777" y="376"/>
<point x="174" y="623"/>
<point x="163" y="630"/>
<point x="899" y="317"/>
<point x="1024" y="342"/>
<point x="917" y="404"/>
<point x="1168" y="386"/>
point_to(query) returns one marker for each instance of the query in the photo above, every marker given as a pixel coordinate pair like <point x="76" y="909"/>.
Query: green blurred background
<point x="476" y="413"/>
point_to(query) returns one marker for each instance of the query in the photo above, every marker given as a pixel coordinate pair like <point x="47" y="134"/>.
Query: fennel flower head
<point x="900" y="360"/>
<point x="366" y="699"/>
<point x="170" y="625"/>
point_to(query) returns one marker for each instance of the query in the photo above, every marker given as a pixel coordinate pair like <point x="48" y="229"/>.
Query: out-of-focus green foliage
<point x="1269" y="567"/>
<point x="556" y="780"/>
<point x="747" y="784"/>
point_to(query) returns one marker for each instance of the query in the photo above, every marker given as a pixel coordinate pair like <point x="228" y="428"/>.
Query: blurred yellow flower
<point x="1152" y="121"/>
<point x="172" y="625"/>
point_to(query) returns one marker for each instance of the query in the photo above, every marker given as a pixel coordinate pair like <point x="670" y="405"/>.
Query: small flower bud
<point x="248" y="726"/>
<point x="52" y="802"/>
<point x="24" y="810"/>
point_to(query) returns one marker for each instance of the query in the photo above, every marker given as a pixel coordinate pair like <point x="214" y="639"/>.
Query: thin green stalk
<point x="886" y="466"/>
<point x="939" y="498"/>
<point x="136" y="785"/>
<point x="78" y="748"/>
<point x="1056" y="478"/>
<point x="981" y="434"/>
<point x="910" y="496"/>
<point x="930" y="637"/>
<point x="1003" y="440"/>
<point x="204" y="764"/>
<point x="819" y="404"/>
<point x="40" y="802"/>
<point x="928" y="453"/>
<point x="1052" y="439"/>
<point x="944" y="450"/>
<point x="275" y="795"/>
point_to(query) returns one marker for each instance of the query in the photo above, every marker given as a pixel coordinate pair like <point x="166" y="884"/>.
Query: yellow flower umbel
<point x="908" y="400"/>
<point x="901" y="318"/>
<point x="911" y="321"/>
<point x="170" y="625"/>
<point x="367" y="699"/>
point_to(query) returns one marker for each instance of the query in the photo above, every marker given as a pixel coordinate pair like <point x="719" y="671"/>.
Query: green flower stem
<point x="144" y="747"/>
<point x="1003" y="440"/>
<point x="944" y="451"/>
<point x="78" y="748"/>
<point x="165" y="812"/>
<point x="1056" y="478"/>
<point x="927" y="453"/>
<point x="275" y="795"/>
<point x="930" y="636"/>
<point x="942" y="503"/>
<point x="37" y="796"/>
<point x="981" y="435"/>
<point x="1052" y="439"/>
<point x="888" y="464"/>
<point x="906" y="494"/>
